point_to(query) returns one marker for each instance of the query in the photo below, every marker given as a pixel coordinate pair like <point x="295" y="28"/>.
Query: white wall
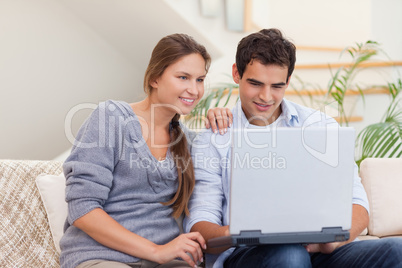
<point x="307" y="23"/>
<point x="386" y="26"/>
<point x="214" y="30"/>
<point x="57" y="54"/>
<point x="322" y="22"/>
<point x="51" y="61"/>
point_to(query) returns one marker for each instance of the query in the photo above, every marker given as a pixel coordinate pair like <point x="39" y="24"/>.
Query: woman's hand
<point x="113" y="235"/>
<point x="219" y="118"/>
<point x="185" y="246"/>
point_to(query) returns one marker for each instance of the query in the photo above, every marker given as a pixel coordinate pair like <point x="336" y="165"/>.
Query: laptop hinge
<point x="250" y="233"/>
<point x="331" y="229"/>
<point x="249" y="237"/>
<point x="341" y="236"/>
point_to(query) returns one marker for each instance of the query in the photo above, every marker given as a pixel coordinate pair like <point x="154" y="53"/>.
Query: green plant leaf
<point x="219" y="95"/>
<point x="396" y="150"/>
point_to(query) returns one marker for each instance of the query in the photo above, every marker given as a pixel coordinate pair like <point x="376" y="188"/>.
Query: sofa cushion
<point x="52" y="190"/>
<point x="382" y="179"/>
<point x="25" y="237"/>
<point x="367" y="237"/>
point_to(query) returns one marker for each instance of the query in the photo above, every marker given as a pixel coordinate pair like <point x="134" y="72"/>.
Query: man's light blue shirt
<point x="211" y="156"/>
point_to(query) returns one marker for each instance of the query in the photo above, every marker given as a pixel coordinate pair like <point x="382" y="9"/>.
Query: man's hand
<point x="326" y="248"/>
<point x="219" y="118"/>
<point x="359" y="222"/>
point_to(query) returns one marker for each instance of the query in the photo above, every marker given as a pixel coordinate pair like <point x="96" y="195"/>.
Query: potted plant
<point x="384" y="139"/>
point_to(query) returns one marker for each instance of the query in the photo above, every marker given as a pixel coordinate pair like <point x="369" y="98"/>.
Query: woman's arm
<point x="108" y="232"/>
<point x="89" y="178"/>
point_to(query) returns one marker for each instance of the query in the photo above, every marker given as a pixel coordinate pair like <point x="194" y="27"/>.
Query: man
<point x="264" y="65"/>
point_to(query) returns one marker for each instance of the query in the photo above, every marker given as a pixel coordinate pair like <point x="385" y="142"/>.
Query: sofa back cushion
<point x="52" y="190"/>
<point x="25" y="237"/>
<point x="382" y="179"/>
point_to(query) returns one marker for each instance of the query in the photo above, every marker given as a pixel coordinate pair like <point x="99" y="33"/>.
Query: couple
<point x="130" y="174"/>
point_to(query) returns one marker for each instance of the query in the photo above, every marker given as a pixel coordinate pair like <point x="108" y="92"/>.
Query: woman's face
<point x="181" y="85"/>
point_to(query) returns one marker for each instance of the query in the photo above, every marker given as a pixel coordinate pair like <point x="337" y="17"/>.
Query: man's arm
<point x="360" y="217"/>
<point x="360" y="220"/>
<point x="206" y="204"/>
<point x="210" y="230"/>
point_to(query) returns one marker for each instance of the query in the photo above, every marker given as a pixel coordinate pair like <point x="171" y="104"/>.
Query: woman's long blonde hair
<point x="169" y="50"/>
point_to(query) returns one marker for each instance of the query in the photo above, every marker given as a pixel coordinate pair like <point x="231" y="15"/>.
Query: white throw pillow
<point x="52" y="191"/>
<point x="382" y="179"/>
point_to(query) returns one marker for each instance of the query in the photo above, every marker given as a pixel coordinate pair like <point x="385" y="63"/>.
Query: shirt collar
<point x="289" y="112"/>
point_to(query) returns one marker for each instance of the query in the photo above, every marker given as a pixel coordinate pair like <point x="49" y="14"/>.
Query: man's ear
<point x="235" y="74"/>
<point x="287" y="84"/>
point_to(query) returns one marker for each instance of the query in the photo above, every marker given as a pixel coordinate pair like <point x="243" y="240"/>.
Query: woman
<point x="130" y="173"/>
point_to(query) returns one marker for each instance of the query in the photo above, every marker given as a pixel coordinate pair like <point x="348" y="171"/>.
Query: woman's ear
<point x="235" y="74"/>
<point x="154" y="83"/>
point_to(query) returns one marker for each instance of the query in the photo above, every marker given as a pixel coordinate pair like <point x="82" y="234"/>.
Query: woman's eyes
<point x="185" y="78"/>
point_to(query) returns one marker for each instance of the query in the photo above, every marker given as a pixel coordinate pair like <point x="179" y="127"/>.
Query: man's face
<point x="261" y="90"/>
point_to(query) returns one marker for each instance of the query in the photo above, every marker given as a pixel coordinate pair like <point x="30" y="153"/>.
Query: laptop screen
<point x="291" y="179"/>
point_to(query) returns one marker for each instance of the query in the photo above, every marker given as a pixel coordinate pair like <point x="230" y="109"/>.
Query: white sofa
<point x="31" y="220"/>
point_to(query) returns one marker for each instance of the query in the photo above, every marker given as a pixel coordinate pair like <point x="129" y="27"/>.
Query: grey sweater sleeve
<point x="89" y="168"/>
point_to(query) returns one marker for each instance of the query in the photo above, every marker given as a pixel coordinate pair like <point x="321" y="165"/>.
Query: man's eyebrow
<point x="252" y="80"/>
<point x="279" y="84"/>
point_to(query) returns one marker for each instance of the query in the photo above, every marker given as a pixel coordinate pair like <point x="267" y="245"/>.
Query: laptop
<point x="290" y="185"/>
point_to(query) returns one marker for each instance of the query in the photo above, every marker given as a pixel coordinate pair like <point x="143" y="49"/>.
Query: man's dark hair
<point x="267" y="46"/>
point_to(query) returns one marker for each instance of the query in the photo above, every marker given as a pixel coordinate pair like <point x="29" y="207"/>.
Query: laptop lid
<point x="292" y="182"/>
